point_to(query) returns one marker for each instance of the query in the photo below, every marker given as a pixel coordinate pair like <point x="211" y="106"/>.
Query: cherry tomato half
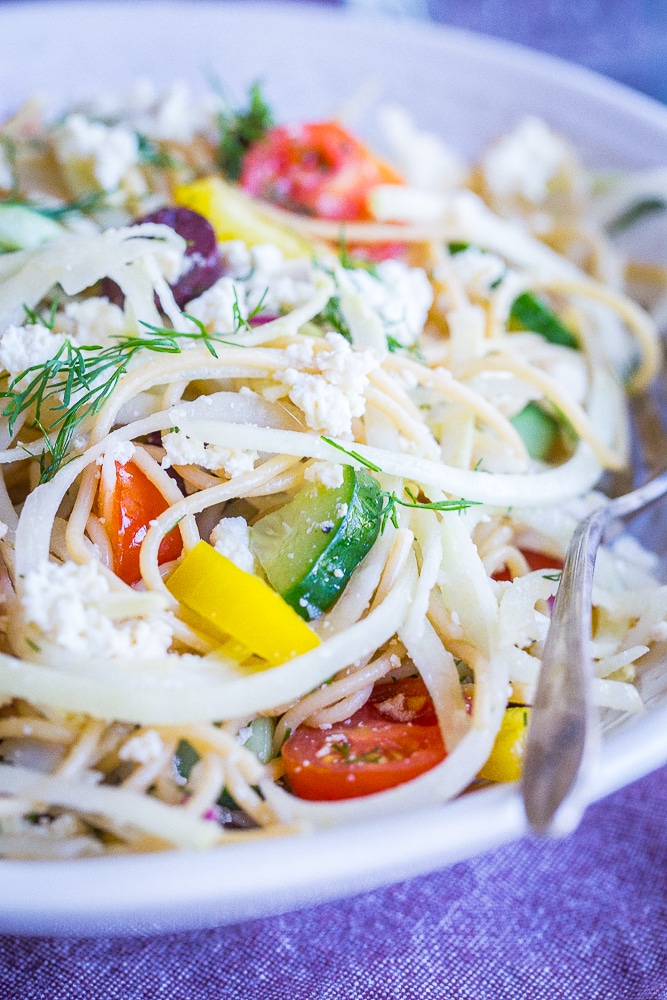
<point x="128" y="510"/>
<point x="319" y="169"/>
<point x="371" y="751"/>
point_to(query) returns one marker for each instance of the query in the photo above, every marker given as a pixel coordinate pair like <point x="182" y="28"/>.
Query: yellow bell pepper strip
<point x="235" y="216"/>
<point x="227" y="601"/>
<point x="505" y="762"/>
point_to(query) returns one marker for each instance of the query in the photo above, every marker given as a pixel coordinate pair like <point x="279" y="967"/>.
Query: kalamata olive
<point x="202" y="254"/>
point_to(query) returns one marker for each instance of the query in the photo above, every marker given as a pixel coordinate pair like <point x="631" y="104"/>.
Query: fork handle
<point x="563" y="740"/>
<point x="563" y="737"/>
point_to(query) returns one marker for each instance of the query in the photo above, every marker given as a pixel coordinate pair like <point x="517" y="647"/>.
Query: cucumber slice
<point x="310" y="547"/>
<point x="21" y="228"/>
<point x="539" y="430"/>
<point x="530" y="313"/>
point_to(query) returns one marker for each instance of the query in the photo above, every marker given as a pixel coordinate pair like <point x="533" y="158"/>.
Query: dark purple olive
<point x="202" y="254"/>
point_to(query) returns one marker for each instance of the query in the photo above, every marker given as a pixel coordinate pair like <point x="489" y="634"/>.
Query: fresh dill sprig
<point x="391" y="500"/>
<point x="239" y="128"/>
<point x="242" y="322"/>
<point x="152" y="154"/>
<point x="343" y="749"/>
<point x="77" y="382"/>
<point x="35" y="319"/>
<point x="352" y="454"/>
<point x="333" y="315"/>
<point x="351" y="263"/>
<point x="87" y="203"/>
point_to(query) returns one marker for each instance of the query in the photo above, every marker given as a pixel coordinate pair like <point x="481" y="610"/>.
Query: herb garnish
<point x="391" y="499"/>
<point x="239" y="129"/>
<point x="87" y="203"/>
<point x="152" y="154"/>
<point x="374" y="756"/>
<point x="78" y="381"/>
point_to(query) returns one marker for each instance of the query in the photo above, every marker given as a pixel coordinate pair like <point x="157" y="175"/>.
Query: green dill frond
<point x="239" y="128"/>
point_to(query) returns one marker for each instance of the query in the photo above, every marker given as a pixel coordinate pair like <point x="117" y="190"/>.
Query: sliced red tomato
<point x="535" y="560"/>
<point x="319" y="169"/>
<point x="128" y="510"/>
<point x="392" y="739"/>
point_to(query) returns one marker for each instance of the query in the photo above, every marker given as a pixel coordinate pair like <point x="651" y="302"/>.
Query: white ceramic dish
<point x="466" y="88"/>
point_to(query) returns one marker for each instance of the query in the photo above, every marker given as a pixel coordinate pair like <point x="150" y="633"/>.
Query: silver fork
<point x="563" y="736"/>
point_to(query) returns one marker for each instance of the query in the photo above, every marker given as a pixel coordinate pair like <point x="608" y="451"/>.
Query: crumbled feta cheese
<point x="64" y="601"/>
<point x="244" y="735"/>
<point x="525" y="160"/>
<point x="257" y="278"/>
<point x="21" y="347"/>
<point x="478" y="271"/>
<point x="276" y="283"/>
<point x="400" y="295"/>
<point x="105" y="152"/>
<point x="174" y="116"/>
<point x="231" y="538"/>
<point x="328" y="474"/>
<point x="236" y="258"/>
<point x="184" y="450"/>
<point x="144" y="748"/>
<point x="121" y="452"/>
<point x="219" y="307"/>
<point x="93" y="321"/>
<point x="422" y="157"/>
<point x="331" y="391"/>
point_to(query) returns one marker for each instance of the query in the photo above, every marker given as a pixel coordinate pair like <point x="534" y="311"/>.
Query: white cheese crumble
<point x="144" y="748"/>
<point x="478" y="271"/>
<point x="219" y="306"/>
<point x="231" y="538"/>
<point x="328" y="386"/>
<point x="65" y="601"/>
<point x="104" y="152"/>
<point x="258" y="279"/>
<point x="21" y="347"/>
<point x="121" y="452"/>
<point x="174" y="115"/>
<point x="184" y="450"/>
<point x="422" y="157"/>
<point x="328" y="474"/>
<point x="525" y="161"/>
<point x="400" y="295"/>
<point x="93" y="321"/>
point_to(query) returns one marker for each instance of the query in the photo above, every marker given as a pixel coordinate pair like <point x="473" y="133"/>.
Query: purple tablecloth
<point x="580" y="919"/>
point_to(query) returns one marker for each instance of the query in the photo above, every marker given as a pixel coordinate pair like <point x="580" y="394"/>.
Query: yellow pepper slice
<point x="235" y="216"/>
<point x="230" y="602"/>
<point x="505" y="762"/>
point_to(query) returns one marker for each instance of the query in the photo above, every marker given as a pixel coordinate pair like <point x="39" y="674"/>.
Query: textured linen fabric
<point x="580" y="919"/>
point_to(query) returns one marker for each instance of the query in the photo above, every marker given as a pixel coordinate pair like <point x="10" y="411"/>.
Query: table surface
<point x="579" y="919"/>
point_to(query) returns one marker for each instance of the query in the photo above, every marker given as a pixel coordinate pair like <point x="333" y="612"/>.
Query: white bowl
<point x="468" y="89"/>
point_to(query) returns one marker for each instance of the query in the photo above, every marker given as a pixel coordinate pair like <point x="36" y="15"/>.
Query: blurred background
<point x="623" y="39"/>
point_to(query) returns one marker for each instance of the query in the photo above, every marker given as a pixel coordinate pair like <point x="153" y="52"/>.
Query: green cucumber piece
<point x="530" y="313"/>
<point x="539" y="430"/>
<point x="310" y="547"/>
<point x="22" y="228"/>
